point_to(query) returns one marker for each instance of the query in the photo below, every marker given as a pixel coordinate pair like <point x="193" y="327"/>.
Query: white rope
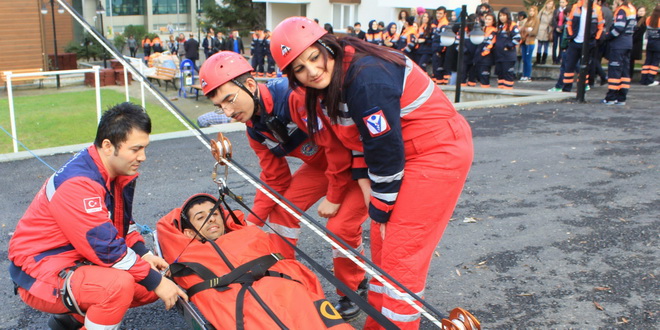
<point x="316" y="230"/>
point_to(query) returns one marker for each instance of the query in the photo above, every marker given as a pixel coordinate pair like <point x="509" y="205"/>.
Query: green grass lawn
<point x="66" y="118"/>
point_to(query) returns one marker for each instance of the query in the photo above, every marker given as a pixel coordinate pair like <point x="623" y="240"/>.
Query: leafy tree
<point x="241" y="15"/>
<point x="137" y="31"/>
<point x="120" y="42"/>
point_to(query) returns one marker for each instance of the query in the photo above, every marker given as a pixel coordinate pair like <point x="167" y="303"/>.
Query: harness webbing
<point x="249" y="272"/>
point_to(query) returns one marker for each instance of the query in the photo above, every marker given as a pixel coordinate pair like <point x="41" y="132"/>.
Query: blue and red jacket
<point x="573" y="21"/>
<point x="280" y="103"/>
<point x="257" y="45"/>
<point x="78" y="215"/>
<point x="506" y="40"/>
<point x="653" y="35"/>
<point x="620" y="35"/>
<point x="385" y="106"/>
<point x="483" y="55"/>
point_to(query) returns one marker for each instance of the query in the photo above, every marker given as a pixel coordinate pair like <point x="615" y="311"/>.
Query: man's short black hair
<point x="118" y="121"/>
<point x="185" y="220"/>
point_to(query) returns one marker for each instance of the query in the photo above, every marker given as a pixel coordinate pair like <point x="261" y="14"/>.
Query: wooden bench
<point x="168" y="75"/>
<point x="23" y="79"/>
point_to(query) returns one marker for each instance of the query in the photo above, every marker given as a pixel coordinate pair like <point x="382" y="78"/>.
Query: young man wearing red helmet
<point x="417" y="149"/>
<point x="276" y="127"/>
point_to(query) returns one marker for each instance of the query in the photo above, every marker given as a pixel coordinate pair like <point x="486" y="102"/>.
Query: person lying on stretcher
<point x="223" y="263"/>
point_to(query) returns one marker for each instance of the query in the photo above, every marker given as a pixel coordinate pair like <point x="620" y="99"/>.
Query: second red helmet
<point x="221" y="68"/>
<point x="291" y="37"/>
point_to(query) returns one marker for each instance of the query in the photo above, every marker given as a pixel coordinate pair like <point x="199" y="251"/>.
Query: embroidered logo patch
<point x="285" y="50"/>
<point x="93" y="204"/>
<point x="376" y="123"/>
<point x="204" y="83"/>
<point x="309" y="149"/>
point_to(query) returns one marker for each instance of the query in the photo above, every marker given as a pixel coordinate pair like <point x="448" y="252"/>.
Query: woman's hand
<point x="328" y="209"/>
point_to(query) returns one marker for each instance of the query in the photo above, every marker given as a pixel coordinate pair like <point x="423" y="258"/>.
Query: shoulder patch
<point x="93" y="204"/>
<point x="376" y="123"/>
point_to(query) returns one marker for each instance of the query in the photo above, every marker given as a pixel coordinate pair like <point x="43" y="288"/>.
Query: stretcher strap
<point x="247" y="273"/>
<point x="249" y="287"/>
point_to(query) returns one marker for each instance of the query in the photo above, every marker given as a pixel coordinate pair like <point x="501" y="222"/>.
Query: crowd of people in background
<point x="509" y="44"/>
<point x="511" y="41"/>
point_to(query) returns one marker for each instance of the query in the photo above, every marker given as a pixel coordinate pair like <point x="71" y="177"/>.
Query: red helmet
<point x="291" y="37"/>
<point x="221" y="68"/>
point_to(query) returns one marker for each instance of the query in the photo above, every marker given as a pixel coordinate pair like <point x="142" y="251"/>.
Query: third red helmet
<point x="291" y="37"/>
<point x="221" y="68"/>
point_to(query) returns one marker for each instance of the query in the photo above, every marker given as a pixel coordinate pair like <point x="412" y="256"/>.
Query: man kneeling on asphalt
<point x="234" y="273"/>
<point x="76" y="252"/>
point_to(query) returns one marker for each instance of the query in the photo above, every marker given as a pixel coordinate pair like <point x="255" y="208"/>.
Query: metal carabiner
<point x="220" y="181"/>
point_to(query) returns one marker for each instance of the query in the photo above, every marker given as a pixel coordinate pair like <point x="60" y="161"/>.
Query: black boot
<point x="538" y="59"/>
<point x="63" y="322"/>
<point x="348" y="309"/>
<point x="544" y="58"/>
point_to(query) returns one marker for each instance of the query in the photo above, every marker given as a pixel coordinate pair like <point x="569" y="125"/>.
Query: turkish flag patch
<point x="93" y="204"/>
<point x="376" y="123"/>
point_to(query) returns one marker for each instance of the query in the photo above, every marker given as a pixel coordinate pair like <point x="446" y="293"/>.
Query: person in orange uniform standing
<point x="268" y="111"/>
<point x="619" y="46"/>
<point x="417" y="150"/>
<point x="575" y="28"/>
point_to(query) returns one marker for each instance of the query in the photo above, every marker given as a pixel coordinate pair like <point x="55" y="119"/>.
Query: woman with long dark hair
<point x="638" y="38"/>
<point x="423" y="42"/>
<point x="483" y="58"/>
<point x="412" y="150"/>
<point x="401" y="20"/>
<point x="507" y="39"/>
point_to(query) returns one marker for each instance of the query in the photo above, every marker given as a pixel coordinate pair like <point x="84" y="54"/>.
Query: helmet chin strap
<point x="332" y="52"/>
<point x="254" y="96"/>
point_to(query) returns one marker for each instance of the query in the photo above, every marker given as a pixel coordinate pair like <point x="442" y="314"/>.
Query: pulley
<point x="460" y="319"/>
<point x="221" y="149"/>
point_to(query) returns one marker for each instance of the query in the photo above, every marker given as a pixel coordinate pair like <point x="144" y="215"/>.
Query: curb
<point x="224" y="128"/>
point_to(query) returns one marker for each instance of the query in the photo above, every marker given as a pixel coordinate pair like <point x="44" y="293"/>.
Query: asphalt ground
<point x="557" y="227"/>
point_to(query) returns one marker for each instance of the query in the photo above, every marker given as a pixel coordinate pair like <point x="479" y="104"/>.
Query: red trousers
<point x="103" y="294"/>
<point x="308" y="185"/>
<point x="436" y="168"/>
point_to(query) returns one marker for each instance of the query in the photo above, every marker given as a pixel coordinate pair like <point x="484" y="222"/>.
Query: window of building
<point x="343" y="15"/>
<point x="125" y="7"/>
<point x="170" y="7"/>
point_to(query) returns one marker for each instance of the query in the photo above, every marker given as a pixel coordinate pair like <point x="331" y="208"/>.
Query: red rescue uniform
<point x="417" y="153"/>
